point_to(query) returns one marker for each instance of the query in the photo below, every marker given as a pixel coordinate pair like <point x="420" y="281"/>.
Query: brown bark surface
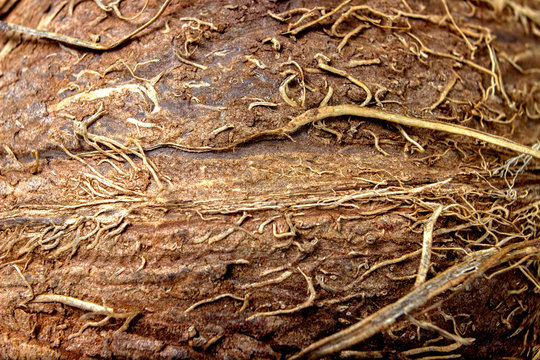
<point x="114" y="194"/>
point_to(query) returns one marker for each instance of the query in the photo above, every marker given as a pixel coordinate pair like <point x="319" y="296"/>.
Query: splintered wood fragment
<point x="426" y="247"/>
<point x="73" y="302"/>
<point x="355" y="63"/>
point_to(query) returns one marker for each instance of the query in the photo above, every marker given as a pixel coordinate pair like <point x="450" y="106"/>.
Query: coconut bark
<point x="158" y="201"/>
